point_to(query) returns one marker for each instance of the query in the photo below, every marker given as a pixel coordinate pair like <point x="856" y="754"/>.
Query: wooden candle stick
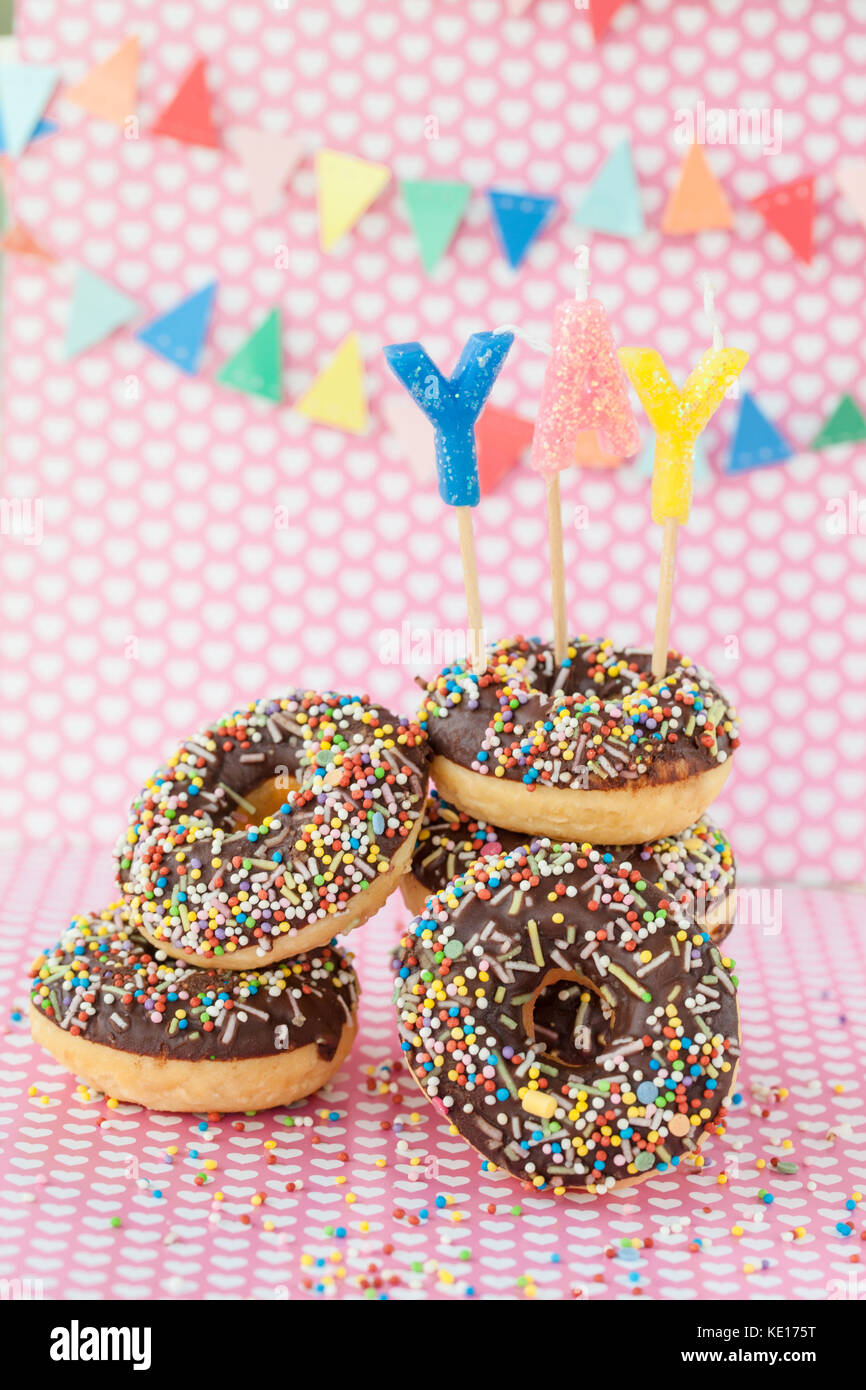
<point x="661" y="640"/>
<point x="557" y="569"/>
<point x="475" y="622"/>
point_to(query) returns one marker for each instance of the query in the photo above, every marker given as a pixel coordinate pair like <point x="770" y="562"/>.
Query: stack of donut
<point x="213" y="984"/>
<point x="562" y="995"/>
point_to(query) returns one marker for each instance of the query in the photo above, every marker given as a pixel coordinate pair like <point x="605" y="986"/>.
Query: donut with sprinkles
<point x="274" y="828"/>
<point x="145" y="1027"/>
<point x="593" y="749"/>
<point x="569" y="1018"/>
<point x="697" y="866"/>
<point x="448" y="843"/>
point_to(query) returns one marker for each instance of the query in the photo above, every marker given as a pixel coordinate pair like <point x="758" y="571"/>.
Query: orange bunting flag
<point x="698" y="202"/>
<point x="109" y="90"/>
<point x="588" y="452"/>
<point x="20" y="241"/>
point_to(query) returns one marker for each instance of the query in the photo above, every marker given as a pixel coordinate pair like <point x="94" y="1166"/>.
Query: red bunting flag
<point x="502" y="438"/>
<point x="188" y="115"/>
<point x="789" y="209"/>
<point x="601" y="12"/>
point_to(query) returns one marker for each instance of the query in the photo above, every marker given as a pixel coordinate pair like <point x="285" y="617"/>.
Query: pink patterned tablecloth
<point x="361" y="1192"/>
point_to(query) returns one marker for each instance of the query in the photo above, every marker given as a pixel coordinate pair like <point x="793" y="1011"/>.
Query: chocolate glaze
<point x="193" y="878"/>
<point x="696" y="867"/>
<point x="468" y="971"/>
<point x="450" y="840"/>
<point x="599" y="687"/>
<point x="102" y="981"/>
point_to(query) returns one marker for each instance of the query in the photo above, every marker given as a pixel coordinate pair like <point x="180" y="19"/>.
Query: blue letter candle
<point x="453" y="404"/>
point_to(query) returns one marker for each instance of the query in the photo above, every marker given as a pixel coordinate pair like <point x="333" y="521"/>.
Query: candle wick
<point x="718" y="337"/>
<point x="514" y="328"/>
<point x="581" y="266"/>
<point x="711" y="314"/>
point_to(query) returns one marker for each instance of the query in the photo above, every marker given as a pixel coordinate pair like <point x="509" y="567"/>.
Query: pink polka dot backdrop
<point x="169" y="586"/>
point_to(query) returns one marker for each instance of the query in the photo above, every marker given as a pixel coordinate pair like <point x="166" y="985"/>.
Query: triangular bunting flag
<point x="601" y="12"/>
<point x="789" y="209"/>
<point x="98" y="308"/>
<point x="502" y="438"/>
<point x="435" y="209"/>
<point x="850" y="178"/>
<point x="179" y="335"/>
<point x="588" y="453"/>
<point x="269" y="161"/>
<point x="757" y="442"/>
<point x="109" y="90"/>
<point x="519" y="218"/>
<point x="611" y="204"/>
<point x="337" y="397"/>
<point x="414" y="434"/>
<point x="701" y="471"/>
<point x="346" y="187"/>
<point x="845" y="426"/>
<point x="43" y="128"/>
<point x="698" y="202"/>
<point x="257" y="367"/>
<point x="515" y="8"/>
<point x="20" y="241"/>
<point x="25" y="91"/>
<point x="188" y="115"/>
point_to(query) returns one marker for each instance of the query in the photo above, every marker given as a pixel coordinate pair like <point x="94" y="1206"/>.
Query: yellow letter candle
<point x="677" y="418"/>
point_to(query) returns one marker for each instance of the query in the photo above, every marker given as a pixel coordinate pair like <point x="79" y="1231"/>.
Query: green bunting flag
<point x="845" y="426"/>
<point x="435" y="209"/>
<point x="257" y="367"/>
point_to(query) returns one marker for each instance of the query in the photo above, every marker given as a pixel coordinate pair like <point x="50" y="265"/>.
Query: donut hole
<point x="262" y="801"/>
<point x="569" y="1017"/>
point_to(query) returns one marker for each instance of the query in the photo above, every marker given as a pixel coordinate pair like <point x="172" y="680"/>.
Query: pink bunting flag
<point x="584" y="389"/>
<point x="269" y="161"/>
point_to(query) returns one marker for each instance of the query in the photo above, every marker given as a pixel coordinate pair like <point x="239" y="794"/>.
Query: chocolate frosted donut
<point x="448" y="843"/>
<point x="695" y="867"/>
<point x="148" y="1028"/>
<point x="278" y="826"/>
<point x="593" y="750"/>
<point x="568" y="1017"/>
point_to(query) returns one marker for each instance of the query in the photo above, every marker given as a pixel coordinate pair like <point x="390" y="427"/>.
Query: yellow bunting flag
<point x="346" y="187"/>
<point x="678" y="417"/>
<point x="337" y="397"/>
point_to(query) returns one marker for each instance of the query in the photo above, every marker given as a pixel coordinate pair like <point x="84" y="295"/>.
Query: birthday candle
<point x="453" y="405"/>
<point x="678" y="417"/>
<point x="584" y="389"/>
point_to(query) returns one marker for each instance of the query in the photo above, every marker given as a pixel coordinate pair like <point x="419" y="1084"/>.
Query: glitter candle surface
<point x="453" y="405"/>
<point x="678" y="418"/>
<point x="584" y="389"/>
